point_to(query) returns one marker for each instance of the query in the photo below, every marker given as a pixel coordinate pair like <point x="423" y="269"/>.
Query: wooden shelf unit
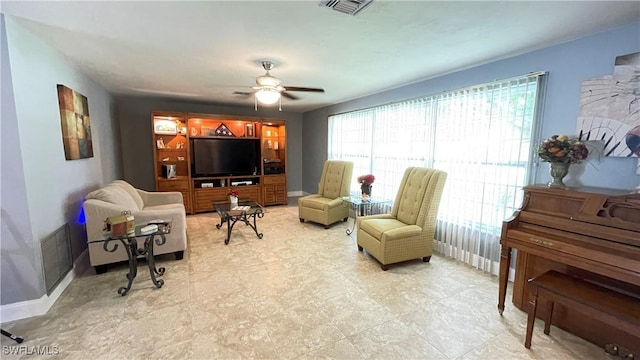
<point x="205" y="125"/>
<point x="209" y="189"/>
<point x="171" y="147"/>
<point x="268" y="186"/>
<point x="274" y="163"/>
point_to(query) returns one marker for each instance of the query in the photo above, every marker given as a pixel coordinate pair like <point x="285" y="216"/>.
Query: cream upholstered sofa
<point x="326" y="207"/>
<point x="406" y="233"/>
<point x="118" y="196"/>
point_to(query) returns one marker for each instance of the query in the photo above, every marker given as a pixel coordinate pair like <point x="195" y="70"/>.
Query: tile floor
<point x="301" y="292"/>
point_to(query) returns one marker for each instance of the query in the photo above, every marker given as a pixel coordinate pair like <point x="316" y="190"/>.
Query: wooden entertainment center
<point x="261" y="178"/>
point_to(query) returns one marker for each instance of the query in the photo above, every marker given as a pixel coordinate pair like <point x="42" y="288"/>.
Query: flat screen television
<point x="222" y="157"/>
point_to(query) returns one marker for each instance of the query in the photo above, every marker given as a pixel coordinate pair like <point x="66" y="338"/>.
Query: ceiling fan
<point x="269" y="91"/>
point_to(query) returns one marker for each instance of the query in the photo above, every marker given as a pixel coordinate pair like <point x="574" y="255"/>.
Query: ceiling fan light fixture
<point x="268" y="96"/>
<point x="267" y="80"/>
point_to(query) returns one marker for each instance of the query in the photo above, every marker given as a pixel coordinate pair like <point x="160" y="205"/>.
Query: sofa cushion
<point x="376" y="227"/>
<point x="114" y="195"/>
<point x="315" y="202"/>
<point x="133" y="192"/>
<point x="389" y="228"/>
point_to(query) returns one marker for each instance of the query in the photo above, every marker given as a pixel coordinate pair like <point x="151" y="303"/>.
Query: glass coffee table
<point x="363" y="207"/>
<point x="244" y="211"/>
<point x="130" y="243"/>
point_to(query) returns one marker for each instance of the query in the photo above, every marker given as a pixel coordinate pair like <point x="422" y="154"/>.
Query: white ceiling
<point x="203" y="51"/>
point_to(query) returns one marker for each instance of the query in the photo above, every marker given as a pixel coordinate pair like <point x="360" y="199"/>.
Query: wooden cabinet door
<point x="281" y="194"/>
<point x="204" y="198"/>
<point x="274" y="189"/>
<point x="268" y="194"/>
<point x="177" y="185"/>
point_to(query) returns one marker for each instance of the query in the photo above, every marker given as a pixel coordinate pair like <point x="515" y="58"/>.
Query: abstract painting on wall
<point x="610" y="109"/>
<point x="76" y="124"/>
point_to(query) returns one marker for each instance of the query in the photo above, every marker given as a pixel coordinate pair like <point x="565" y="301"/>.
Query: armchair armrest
<point x="335" y="202"/>
<point x="96" y="212"/>
<point x="160" y="198"/>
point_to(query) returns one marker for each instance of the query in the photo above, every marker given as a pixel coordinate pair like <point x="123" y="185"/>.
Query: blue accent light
<point x="81" y="218"/>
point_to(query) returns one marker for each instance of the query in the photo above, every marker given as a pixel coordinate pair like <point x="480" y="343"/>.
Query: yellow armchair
<point x="406" y="233"/>
<point x="326" y="206"/>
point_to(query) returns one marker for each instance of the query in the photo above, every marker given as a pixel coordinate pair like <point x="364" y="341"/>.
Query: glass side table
<point x="130" y="243"/>
<point x="361" y="207"/>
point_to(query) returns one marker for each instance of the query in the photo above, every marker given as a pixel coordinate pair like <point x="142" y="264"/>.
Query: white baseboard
<point x="37" y="307"/>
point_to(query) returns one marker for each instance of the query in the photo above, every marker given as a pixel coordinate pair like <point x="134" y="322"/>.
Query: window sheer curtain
<point x="383" y="141"/>
<point x="481" y="136"/>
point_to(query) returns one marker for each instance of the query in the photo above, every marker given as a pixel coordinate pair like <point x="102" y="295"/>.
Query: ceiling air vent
<point x="349" y="7"/>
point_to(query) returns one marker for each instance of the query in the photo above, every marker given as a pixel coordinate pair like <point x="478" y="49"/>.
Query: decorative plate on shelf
<point x="165" y="127"/>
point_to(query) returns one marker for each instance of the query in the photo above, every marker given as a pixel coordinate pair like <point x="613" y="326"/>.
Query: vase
<point x="558" y="171"/>
<point x="233" y="200"/>
<point x="366" y="190"/>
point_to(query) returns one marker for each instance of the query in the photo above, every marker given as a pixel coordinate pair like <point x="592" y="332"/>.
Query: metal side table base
<point x="130" y="243"/>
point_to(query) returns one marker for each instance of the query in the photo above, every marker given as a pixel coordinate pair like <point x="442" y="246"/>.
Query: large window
<point x="481" y="136"/>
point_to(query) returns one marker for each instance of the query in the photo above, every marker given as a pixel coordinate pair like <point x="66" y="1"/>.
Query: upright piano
<point x="591" y="233"/>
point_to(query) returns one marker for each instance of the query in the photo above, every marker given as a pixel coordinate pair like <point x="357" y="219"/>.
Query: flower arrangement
<point x="233" y="193"/>
<point x="366" y="179"/>
<point x="562" y="149"/>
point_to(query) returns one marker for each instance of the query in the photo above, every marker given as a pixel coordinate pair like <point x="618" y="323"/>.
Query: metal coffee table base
<point x="231" y="220"/>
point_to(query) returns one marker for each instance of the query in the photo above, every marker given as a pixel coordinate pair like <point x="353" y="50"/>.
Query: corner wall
<point x="19" y="261"/>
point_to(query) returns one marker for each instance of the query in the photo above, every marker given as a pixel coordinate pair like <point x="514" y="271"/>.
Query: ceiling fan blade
<point x="297" y="88"/>
<point x="245" y="93"/>
<point x="289" y="96"/>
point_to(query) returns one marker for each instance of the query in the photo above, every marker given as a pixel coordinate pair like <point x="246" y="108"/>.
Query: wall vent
<point x="57" y="260"/>
<point x="349" y="7"/>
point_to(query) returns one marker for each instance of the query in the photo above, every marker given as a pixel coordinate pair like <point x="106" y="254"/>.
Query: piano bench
<point x="608" y="306"/>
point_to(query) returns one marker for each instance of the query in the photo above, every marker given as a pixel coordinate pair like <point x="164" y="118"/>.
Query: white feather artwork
<point x="610" y="109"/>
